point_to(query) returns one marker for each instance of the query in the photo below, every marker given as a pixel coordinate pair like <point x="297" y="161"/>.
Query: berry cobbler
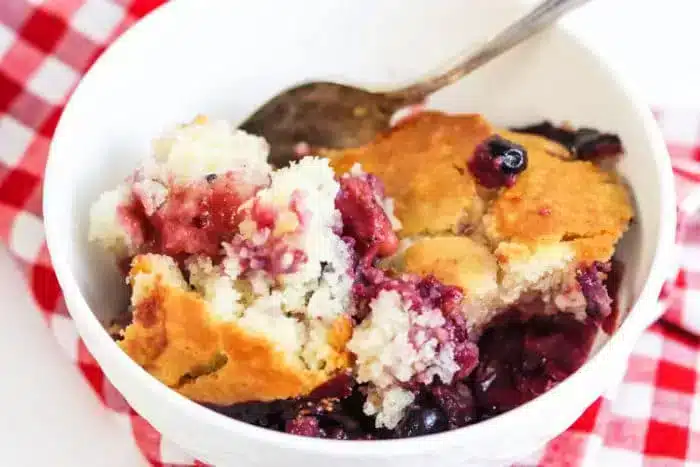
<point x="443" y="274"/>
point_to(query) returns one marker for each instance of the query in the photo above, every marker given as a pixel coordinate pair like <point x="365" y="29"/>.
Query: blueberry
<point x="420" y="421"/>
<point x="514" y="161"/>
<point x="497" y="145"/>
<point x="210" y="177"/>
<point x="496" y="162"/>
<point x="513" y="157"/>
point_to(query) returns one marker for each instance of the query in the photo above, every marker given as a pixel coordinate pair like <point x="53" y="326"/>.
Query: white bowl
<point x="224" y="58"/>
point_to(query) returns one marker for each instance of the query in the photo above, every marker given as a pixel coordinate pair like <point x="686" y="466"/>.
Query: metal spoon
<point x="332" y="115"/>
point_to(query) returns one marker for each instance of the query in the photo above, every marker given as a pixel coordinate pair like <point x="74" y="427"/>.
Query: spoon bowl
<point x="321" y="115"/>
<point x="316" y="115"/>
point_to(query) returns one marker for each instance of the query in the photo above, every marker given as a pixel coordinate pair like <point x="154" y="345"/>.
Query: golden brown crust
<point x="214" y="361"/>
<point x="556" y="200"/>
<point x="339" y="335"/>
<point x="255" y="370"/>
<point x="596" y="248"/>
<point x="559" y="213"/>
<point x="181" y="339"/>
<point x="455" y="261"/>
<point x="422" y="163"/>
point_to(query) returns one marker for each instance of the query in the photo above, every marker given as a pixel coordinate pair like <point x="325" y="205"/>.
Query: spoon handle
<point x="540" y="17"/>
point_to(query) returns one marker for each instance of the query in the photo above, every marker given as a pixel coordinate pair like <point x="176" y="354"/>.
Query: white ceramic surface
<point x="649" y="40"/>
<point x="215" y="58"/>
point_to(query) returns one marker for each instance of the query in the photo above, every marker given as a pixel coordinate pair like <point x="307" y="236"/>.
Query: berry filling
<point x="194" y="218"/>
<point x="520" y="357"/>
<point x="422" y="420"/>
<point x="364" y="218"/>
<point x="411" y="335"/>
<point x="456" y="402"/>
<point x="421" y="293"/>
<point x="584" y="143"/>
<point x="612" y="285"/>
<point x="497" y="161"/>
<point x="590" y="278"/>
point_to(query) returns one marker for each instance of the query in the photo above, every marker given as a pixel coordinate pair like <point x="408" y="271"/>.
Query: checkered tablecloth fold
<point x="652" y="417"/>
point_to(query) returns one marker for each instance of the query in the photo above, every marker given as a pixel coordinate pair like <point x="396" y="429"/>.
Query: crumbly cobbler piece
<point x="180" y="170"/>
<point x="263" y="355"/>
<point x="412" y="333"/>
<point x="241" y="279"/>
<point x="500" y="214"/>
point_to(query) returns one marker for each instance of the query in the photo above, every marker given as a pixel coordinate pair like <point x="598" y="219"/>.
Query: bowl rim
<point x="93" y="333"/>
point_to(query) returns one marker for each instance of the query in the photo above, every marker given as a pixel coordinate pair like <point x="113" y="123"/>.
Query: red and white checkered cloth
<point x="651" y="418"/>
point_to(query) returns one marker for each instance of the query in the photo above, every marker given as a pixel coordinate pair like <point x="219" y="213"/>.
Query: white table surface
<point x="50" y="417"/>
